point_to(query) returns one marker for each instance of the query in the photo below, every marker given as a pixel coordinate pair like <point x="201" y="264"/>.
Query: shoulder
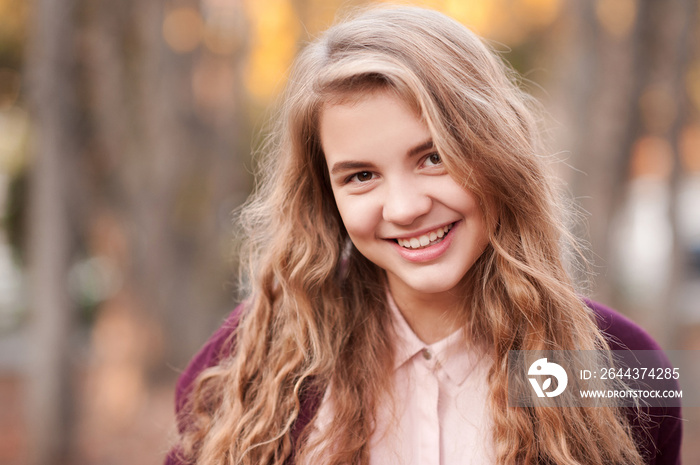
<point x="218" y="347"/>
<point x="658" y="430"/>
<point x="621" y="332"/>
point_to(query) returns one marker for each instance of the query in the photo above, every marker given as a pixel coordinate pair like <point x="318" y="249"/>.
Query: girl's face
<point x="401" y="208"/>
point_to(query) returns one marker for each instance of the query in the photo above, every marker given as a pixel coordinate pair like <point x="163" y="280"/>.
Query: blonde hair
<point x="317" y="311"/>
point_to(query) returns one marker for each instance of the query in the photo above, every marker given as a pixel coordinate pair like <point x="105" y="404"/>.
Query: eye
<point x="362" y="176"/>
<point x="433" y="159"/>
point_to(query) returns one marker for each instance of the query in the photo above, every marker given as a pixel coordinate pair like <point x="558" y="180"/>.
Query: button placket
<point x="427" y="398"/>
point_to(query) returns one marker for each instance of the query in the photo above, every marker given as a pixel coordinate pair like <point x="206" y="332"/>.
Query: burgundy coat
<point x="658" y="434"/>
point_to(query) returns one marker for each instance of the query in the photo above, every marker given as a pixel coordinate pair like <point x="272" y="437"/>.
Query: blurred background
<point x="126" y="134"/>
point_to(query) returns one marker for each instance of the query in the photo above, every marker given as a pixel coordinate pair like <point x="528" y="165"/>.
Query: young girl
<point x="403" y="239"/>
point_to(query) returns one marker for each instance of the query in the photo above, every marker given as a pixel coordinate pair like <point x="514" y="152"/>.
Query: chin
<point x="436" y="287"/>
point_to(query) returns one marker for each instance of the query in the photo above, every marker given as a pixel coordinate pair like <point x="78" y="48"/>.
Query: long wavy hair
<point x="317" y="312"/>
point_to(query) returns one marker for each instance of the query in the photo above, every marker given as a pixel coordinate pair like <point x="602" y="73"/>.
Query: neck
<point x="432" y="316"/>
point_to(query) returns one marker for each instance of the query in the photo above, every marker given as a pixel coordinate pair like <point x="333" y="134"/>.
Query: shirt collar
<point x="451" y="354"/>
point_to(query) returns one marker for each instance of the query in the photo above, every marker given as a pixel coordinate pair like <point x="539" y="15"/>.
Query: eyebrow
<point x="358" y="165"/>
<point x="350" y="166"/>
<point x="422" y="147"/>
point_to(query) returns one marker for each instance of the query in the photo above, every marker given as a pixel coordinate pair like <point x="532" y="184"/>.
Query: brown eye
<point x="362" y="176"/>
<point x="433" y="159"/>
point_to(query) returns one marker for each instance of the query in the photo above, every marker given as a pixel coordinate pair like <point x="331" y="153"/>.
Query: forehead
<point x="369" y="126"/>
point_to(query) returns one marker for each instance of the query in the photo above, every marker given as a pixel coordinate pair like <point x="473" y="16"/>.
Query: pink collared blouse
<point x="438" y="413"/>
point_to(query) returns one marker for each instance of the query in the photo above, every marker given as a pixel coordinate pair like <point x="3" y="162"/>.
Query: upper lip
<point x="420" y="232"/>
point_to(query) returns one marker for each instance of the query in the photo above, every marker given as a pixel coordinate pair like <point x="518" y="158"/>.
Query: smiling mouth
<point x="425" y="240"/>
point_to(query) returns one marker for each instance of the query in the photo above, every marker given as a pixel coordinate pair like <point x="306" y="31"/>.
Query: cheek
<point x="468" y="204"/>
<point x="358" y="215"/>
<point x="458" y="199"/>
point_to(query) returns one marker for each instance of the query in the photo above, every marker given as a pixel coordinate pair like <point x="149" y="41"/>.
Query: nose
<point x="405" y="202"/>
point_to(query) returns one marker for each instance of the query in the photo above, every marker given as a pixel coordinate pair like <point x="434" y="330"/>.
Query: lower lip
<point x="430" y="253"/>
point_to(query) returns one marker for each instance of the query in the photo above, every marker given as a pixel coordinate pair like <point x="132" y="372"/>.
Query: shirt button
<point x="426" y="354"/>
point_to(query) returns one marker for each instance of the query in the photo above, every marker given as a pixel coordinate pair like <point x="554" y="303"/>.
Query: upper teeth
<point x="425" y="239"/>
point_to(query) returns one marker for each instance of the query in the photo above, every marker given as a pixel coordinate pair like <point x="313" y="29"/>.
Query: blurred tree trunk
<point x="604" y="88"/>
<point x="186" y="181"/>
<point x="670" y="53"/>
<point x="51" y="72"/>
<point x="163" y="181"/>
<point x="614" y="73"/>
<point x="162" y="160"/>
<point x="171" y="165"/>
